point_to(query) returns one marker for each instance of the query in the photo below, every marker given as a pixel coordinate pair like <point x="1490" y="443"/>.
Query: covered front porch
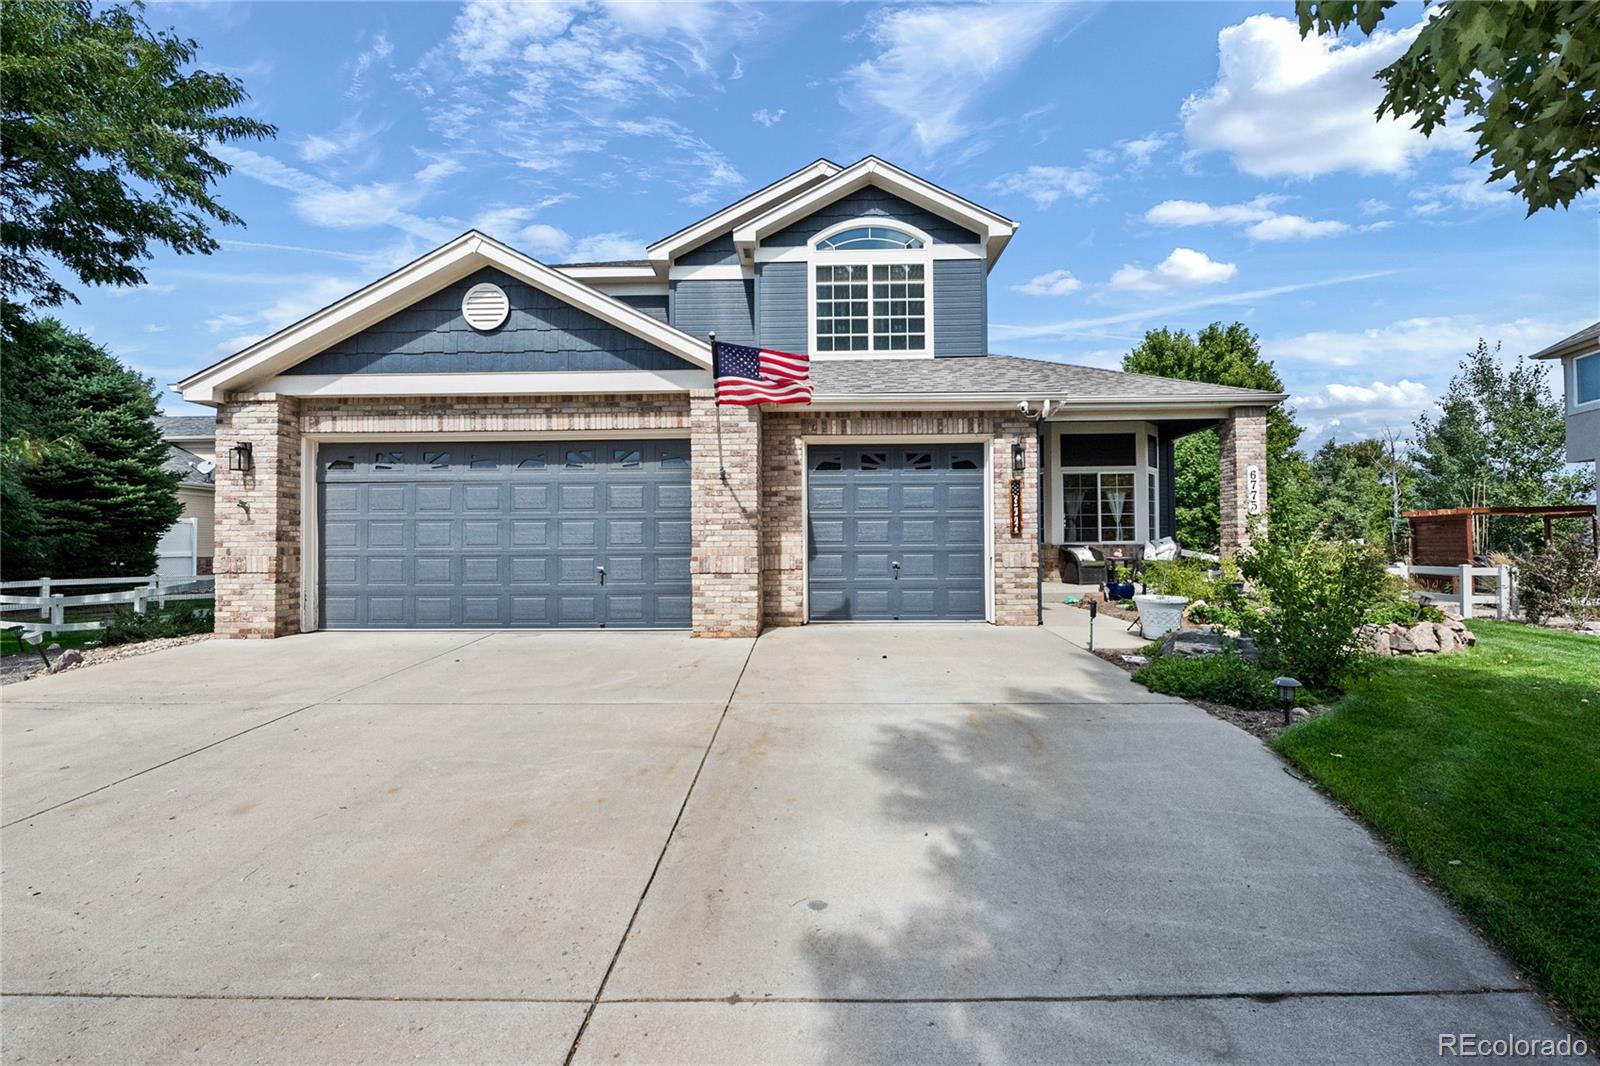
<point x="1108" y="492"/>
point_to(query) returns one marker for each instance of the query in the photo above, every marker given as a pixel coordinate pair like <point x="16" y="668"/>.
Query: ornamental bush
<point x="1560" y="579"/>
<point x="1315" y="595"/>
<point x="1218" y="678"/>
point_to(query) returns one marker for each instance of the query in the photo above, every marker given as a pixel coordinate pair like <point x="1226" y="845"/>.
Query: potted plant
<point x="1159" y="614"/>
<point x="1119" y="586"/>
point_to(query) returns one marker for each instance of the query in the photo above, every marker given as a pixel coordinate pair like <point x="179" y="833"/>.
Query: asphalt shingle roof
<point x="187" y="427"/>
<point x="190" y="465"/>
<point x="1008" y="375"/>
<point x="1584" y="339"/>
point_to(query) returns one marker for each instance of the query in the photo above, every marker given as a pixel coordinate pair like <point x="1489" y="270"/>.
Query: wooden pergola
<point x="1448" y="536"/>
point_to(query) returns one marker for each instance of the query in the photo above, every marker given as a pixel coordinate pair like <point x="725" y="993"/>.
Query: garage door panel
<point x="433" y="498"/>
<point x="434" y="570"/>
<point x="870" y="507"/>
<point x="487" y="534"/>
<point x="530" y="532"/>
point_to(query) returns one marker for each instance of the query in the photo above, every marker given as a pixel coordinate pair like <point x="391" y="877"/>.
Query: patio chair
<point x="1084" y="566"/>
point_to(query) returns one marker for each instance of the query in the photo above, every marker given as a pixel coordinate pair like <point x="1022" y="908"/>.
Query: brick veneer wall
<point x="1242" y="442"/>
<point x="257" y="555"/>
<point x="726" y="481"/>
<point x="783" y="537"/>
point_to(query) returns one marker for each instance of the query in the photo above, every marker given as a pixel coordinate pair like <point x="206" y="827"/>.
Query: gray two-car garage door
<point x="895" y="532"/>
<point x="534" y="534"/>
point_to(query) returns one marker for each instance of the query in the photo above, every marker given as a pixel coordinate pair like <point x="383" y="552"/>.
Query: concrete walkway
<point x="872" y="843"/>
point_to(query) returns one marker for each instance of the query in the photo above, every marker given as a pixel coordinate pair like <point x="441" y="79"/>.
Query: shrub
<point x="1219" y="678"/>
<point x="1402" y="610"/>
<point x="1189" y="578"/>
<point x="1316" y="594"/>
<point x="127" y="627"/>
<point x="1562" y="578"/>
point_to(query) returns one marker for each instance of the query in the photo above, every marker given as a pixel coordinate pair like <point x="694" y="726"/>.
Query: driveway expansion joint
<point x="1103" y="997"/>
<point x="588" y="1014"/>
<point x="268" y="997"/>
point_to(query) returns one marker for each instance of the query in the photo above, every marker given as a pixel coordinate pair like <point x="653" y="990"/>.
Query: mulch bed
<point x="1264" y="725"/>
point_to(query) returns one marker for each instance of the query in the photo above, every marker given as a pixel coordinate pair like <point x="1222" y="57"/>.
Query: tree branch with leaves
<point x="1527" y="70"/>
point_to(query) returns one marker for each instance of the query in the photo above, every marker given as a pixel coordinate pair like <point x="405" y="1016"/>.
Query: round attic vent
<point x="485" y="306"/>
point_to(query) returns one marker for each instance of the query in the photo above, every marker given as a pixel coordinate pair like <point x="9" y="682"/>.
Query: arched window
<point x="868" y="238"/>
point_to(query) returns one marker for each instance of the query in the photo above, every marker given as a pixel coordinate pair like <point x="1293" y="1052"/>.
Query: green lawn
<point x="1484" y="769"/>
<point x="9" y="645"/>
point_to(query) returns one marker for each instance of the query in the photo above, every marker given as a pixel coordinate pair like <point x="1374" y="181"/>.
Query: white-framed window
<point x="1106" y="483"/>
<point x="1586" y="379"/>
<point x="871" y="290"/>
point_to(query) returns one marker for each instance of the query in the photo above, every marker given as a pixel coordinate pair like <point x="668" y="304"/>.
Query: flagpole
<point x="722" y="466"/>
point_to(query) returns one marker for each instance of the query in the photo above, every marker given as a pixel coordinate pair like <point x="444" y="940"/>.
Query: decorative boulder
<point x="1423" y="637"/>
<point x="1205" y="642"/>
<point x="1374" y="640"/>
<point x="69" y="658"/>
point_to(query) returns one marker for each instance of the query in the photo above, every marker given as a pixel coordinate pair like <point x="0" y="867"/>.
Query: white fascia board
<point x="1072" y="409"/>
<point x="593" y="274"/>
<point x="447" y="264"/>
<point x="513" y="383"/>
<point x="712" y="272"/>
<point x="873" y="171"/>
<point x="662" y="252"/>
<point x="804" y="254"/>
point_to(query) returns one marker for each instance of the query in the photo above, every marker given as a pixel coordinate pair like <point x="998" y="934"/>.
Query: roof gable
<point x="663" y="252"/>
<point x="440" y="268"/>
<point x="541" y="333"/>
<point x="993" y="230"/>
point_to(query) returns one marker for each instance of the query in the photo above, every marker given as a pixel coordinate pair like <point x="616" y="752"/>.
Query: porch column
<point x="1242" y="442"/>
<point x="257" y="562"/>
<point x="725" y="560"/>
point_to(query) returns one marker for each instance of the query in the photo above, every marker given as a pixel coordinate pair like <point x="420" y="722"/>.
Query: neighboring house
<point x="481" y="440"/>
<point x="191" y="452"/>
<point x="1580" y="376"/>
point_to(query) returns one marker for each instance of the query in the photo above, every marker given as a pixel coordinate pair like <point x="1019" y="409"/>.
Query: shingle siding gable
<point x="542" y="333"/>
<point x="870" y="202"/>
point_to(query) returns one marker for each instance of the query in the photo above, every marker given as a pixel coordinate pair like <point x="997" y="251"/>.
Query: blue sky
<point x="1171" y="164"/>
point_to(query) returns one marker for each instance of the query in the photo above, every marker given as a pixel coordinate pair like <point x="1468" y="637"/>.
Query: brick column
<point x="1242" y="442"/>
<point x="257" y="561"/>
<point x="725" y="564"/>
<point x="1016" y="555"/>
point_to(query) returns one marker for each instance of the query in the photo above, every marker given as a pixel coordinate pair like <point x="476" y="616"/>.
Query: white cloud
<point x="552" y="243"/>
<point x="1293" y="227"/>
<point x="547" y="84"/>
<point x="1371" y="207"/>
<point x="1051" y="283"/>
<point x="1183" y="268"/>
<point x="1283" y="106"/>
<point x="1467" y="189"/>
<point x="1045" y="185"/>
<point x="1419" y="344"/>
<point x="1073" y="327"/>
<point x="934" y="61"/>
<point x="1199" y="213"/>
<point x="1259" y="217"/>
<point x="767" y="118"/>
<point x="379" y="52"/>
<point x="1356" y="412"/>
<point x="343" y="140"/>
<point x="1140" y="149"/>
<point x="348" y="207"/>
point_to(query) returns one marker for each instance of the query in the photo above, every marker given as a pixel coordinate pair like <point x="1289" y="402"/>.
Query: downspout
<point x="1038" y="511"/>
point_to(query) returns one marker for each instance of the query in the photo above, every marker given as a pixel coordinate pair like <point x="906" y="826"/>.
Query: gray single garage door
<point x="541" y="534"/>
<point x="895" y="532"/>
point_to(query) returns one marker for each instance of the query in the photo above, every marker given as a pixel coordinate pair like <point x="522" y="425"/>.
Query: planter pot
<point x="1119" y="590"/>
<point x="1159" y="615"/>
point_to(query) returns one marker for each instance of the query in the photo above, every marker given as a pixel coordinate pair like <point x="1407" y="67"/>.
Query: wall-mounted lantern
<point x="241" y="457"/>
<point x="1019" y="459"/>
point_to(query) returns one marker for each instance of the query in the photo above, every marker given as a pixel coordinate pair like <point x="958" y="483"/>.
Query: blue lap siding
<point x="726" y="305"/>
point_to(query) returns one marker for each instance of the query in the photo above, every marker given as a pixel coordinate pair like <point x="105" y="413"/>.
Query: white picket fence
<point x="47" y="611"/>
<point x="1464" y="596"/>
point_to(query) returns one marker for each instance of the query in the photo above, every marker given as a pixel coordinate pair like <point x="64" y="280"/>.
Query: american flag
<point x="749" y="376"/>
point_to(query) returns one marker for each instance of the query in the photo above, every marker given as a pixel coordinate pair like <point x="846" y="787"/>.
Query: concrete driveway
<point x="929" y="844"/>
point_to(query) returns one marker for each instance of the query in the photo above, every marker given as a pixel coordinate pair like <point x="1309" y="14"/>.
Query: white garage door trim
<point x="311" y="518"/>
<point x="822" y="439"/>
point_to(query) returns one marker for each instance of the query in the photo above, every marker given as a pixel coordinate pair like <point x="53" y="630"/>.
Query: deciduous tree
<point x="105" y="146"/>
<point x="1527" y="72"/>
